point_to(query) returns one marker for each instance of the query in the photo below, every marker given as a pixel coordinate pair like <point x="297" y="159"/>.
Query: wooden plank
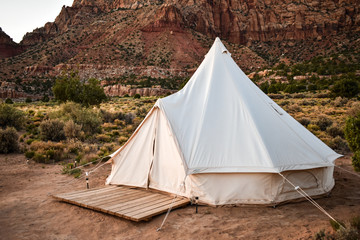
<point x="89" y="193"/>
<point x="88" y="190"/>
<point x="99" y="194"/>
<point x="144" y="204"/>
<point x="118" y="195"/>
<point x="135" y="203"/>
<point x="147" y="206"/>
<point x="130" y="203"/>
<point x="159" y="210"/>
<point x="121" y="200"/>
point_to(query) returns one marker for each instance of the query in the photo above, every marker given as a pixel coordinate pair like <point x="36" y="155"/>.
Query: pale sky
<point x="18" y="17"/>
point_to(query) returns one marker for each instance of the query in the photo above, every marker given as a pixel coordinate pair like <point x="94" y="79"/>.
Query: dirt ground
<point x="27" y="211"/>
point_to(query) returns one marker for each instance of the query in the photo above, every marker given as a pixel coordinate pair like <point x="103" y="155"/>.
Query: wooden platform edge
<point x="179" y="202"/>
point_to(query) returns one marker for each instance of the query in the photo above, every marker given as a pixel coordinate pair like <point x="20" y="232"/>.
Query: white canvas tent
<point x="223" y="140"/>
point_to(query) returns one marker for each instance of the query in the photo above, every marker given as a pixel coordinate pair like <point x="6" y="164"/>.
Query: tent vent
<point x="276" y="110"/>
<point x="226" y="52"/>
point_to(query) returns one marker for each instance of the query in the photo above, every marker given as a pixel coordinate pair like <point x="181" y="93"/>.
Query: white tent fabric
<point x="226" y="138"/>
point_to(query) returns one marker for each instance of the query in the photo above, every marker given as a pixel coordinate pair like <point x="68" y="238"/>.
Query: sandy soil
<point x="27" y="211"/>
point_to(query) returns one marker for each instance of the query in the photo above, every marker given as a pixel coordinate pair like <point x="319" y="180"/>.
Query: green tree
<point x="69" y="87"/>
<point x="347" y="87"/>
<point x="352" y="135"/>
<point x="92" y="93"/>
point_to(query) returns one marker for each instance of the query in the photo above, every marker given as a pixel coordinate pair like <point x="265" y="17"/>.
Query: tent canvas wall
<point x="222" y="139"/>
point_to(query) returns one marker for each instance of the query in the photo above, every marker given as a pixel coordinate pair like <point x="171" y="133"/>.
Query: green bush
<point x="137" y="96"/>
<point x="28" y="100"/>
<point x="103" y="138"/>
<point x="335" y="131"/>
<point x="356" y="161"/>
<point x="44" y="152"/>
<point x="89" y="120"/>
<point x="352" y="135"/>
<point x="324" y="122"/>
<point x="11" y="117"/>
<point x="45" y="98"/>
<point x="304" y="121"/>
<point x="348" y="88"/>
<point x="29" y="154"/>
<point x="52" y="130"/>
<point x="9" y="140"/>
<point x="339" y="145"/>
<point x="9" y="101"/>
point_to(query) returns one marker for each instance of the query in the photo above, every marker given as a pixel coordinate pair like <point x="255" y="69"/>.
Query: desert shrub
<point x="338" y="144"/>
<point x="48" y="151"/>
<point x="294" y="108"/>
<point x="343" y="231"/>
<point x="70" y="169"/>
<point x="129" y="117"/>
<point x="11" y="117"/>
<point x="9" y="101"/>
<point x="304" y="121"/>
<point x="340" y="102"/>
<point x="320" y="235"/>
<point x="88" y="119"/>
<point x="284" y="103"/>
<point x="115" y="133"/>
<point x="45" y="98"/>
<point x="103" y="138"/>
<point x="335" y="131"/>
<point x="137" y="96"/>
<point x="74" y="146"/>
<point x="73" y="130"/>
<point x="313" y="128"/>
<point x="29" y="154"/>
<point x="324" y="122"/>
<point x="355" y="223"/>
<point x="109" y="126"/>
<point x="107" y="116"/>
<point x="90" y="157"/>
<point x="141" y="112"/>
<point x="28" y="100"/>
<point x="8" y="140"/>
<point x="29" y="141"/>
<point x="52" y="130"/>
<point x="122" y="140"/>
<point x="347" y="234"/>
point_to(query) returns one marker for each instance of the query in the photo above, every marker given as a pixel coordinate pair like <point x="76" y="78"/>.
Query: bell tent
<point x="223" y="140"/>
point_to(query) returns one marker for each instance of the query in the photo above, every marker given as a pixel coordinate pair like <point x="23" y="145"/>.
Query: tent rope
<point x="171" y="205"/>
<point x="90" y="171"/>
<point x="345" y="170"/>
<point x="307" y="197"/>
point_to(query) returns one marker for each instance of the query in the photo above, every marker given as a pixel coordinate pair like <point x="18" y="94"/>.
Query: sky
<point x="17" y="17"/>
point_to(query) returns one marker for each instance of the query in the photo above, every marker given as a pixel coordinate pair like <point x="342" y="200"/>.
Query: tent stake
<point x="196" y="204"/>
<point x="87" y="180"/>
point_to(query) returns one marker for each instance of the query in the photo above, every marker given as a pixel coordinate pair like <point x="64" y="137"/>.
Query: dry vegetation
<point x="67" y="132"/>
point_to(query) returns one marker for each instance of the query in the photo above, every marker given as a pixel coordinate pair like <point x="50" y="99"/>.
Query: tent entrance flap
<point x="136" y="155"/>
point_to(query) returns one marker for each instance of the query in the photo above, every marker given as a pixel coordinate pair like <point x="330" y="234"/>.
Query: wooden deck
<point x="136" y="204"/>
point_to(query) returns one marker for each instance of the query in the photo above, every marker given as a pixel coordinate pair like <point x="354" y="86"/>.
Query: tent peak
<point x="222" y="47"/>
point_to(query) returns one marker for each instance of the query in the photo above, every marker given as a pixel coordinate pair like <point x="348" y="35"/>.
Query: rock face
<point x="121" y="90"/>
<point x="8" y="47"/>
<point x="167" y="38"/>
